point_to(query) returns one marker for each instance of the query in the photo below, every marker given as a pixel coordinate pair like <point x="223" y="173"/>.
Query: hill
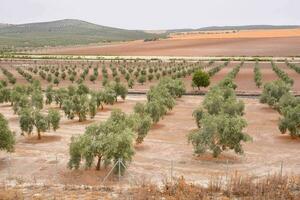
<point x="4" y="25"/>
<point x="224" y="28"/>
<point x="64" y="32"/>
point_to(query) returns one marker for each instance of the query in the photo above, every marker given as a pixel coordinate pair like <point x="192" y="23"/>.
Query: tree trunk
<point x="98" y="163"/>
<point x="39" y="135"/>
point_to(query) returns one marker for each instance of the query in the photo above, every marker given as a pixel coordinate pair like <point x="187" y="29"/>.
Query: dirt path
<point x="245" y="79"/>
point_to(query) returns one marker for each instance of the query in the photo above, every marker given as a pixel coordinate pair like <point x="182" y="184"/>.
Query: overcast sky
<point x="154" y="14"/>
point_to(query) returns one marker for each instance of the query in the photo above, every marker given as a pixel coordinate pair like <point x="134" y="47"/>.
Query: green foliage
<point x="93" y="78"/>
<point x="228" y="82"/>
<point x="107" y="141"/>
<point x="142" y="123"/>
<point x="219" y="133"/>
<point x="37" y="99"/>
<point x="216" y="69"/>
<point x="289" y="108"/>
<point x="53" y="119"/>
<point x="49" y="93"/>
<point x="130" y="83"/>
<point x="220" y="123"/>
<point x="257" y="75"/>
<point x="277" y="95"/>
<point x="293" y="66"/>
<point x="64" y="33"/>
<point x="142" y="79"/>
<point x="290" y="120"/>
<point x="120" y="90"/>
<point x="201" y="79"/>
<point x="56" y="81"/>
<point x="282" y="75"/>
<point x="160" y="99"/>
<point x="40" y="121"/>
<point x="5" y="94"/>
<point x="273" y="91"/>
<point x="30" y="118"/>
<point x="7" y="138"/>
<point x="78" y="102"/>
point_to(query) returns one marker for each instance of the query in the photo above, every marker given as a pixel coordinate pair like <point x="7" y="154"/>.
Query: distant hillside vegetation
<point x="64" y="32"/>
<point x="224" y="28"/>
<point x="4" y="25"/>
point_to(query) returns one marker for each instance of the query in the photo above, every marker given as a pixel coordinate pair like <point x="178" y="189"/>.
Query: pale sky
<point x="154" y="14"/>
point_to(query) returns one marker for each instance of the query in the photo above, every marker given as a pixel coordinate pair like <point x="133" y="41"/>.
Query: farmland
<point x="243" y="43"/>
<point x="165" y="146"/>
<point x="91" y="73"/>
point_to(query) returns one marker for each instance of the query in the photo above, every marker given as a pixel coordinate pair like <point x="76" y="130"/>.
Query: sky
<point x="154" y="14"/>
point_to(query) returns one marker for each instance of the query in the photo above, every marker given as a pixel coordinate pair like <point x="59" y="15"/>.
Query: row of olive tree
<point x="80" y="101"/>
<point x="293" y="66"/>
<point x="109" y="141"/>
<point x="27" y="102"/>
<point x="277" y="95"/>
<point x="216" y="69"/>
<point x="9" y="75"/>
<point x="257" y="75"/>
<point x="160" y="99"/>
<point x="282" y="74"/>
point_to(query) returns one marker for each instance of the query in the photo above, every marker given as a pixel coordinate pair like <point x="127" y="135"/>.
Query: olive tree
<point x="290" y="121"/>
<point x="53" y="119"/>
<point x="273" y="91"/>
<point x="30" y="118"/>
<point x="219" y="133"/>
<point x="142" y="122"/>
<point x="107" y="141"/>
<point x="201" y="79"/>
<point x="79" y="102"/>
<point x="49" y="93"/>
<point x="289" y="108"/>
<point x="220" y="123"/>
<point x="7" y="138"/>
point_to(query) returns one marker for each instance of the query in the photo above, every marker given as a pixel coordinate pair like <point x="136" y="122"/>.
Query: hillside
<point x="64" y="32"/>
<point x="224" y="28"/>
<point x="4" y="25"/>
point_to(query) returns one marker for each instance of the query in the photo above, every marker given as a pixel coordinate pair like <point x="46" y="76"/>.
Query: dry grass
<point x="10" y="194"/>
<point x="237" y="187"/>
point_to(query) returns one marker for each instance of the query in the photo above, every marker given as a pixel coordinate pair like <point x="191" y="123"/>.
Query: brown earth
<point x="238" y="34"/>
<point x="268" y="46"/>
<point x="46" y="161"/>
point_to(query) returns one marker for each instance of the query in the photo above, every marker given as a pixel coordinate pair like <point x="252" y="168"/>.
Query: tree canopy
<point x="7" y="138"/>
<point x="201" y="79"/>
<point x="220" y="123"/>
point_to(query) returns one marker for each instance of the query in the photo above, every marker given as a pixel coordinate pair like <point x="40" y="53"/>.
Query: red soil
<point x="276" y="46"/>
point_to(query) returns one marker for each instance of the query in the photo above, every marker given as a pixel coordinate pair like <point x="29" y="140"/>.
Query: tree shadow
<point x="45" y="139"/>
